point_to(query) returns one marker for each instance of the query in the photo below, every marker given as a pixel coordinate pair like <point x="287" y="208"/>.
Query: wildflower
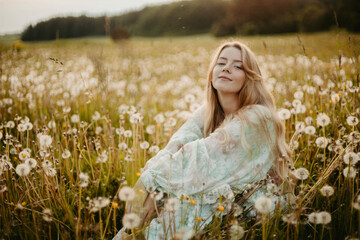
<point x="98" y="203"/>
<point x="172" y="204"/>
<point x="324" y="217"/>
<point x="284" y="114"/>
<point x="300" y="127"/>
<point x="355" y="204"/>
<point x="22" y="169"/>
<point x="150" y="129"/>
<point x="10" y="124"/>
<point x="129" y="158"/>
<point x="47" y="215"/>
<point x="45" y="141"/>
<point x="128" y="134"/>
<point x="352" y="121"/>
<point x="66" y="154"/>
<point x="327" y="191"/>
<point x="310" y="130"/>
<point x="298" y="95"/>
<point x="131" y="220"/>
<point x="114" y="204"/>
<point x="103" y="157"/>
<point x="126" y="194"/>
<point x="122" y="146"/>
<point x="23" y="155"/>
<point x="46" y="164"/>
<point x="301" y="173"/>
<point x="321" y="142"/>
<point x="19" y="206"/>
<point x="136" y="118"/>
<point x="236" y="232"/>
<point x="98" y="130"/>
<point x="75" y="118"/>
<point x="52" y="124"/>
<point x="51" y="172"/>
<point x="28" y="126"/>
<point x="237" y="210"/>
<point x="159" y="118"/>
<point x="349" y="172"/>
<point x="83" y="180"/>
<point x="96" y="116"/>
<point x="21" y="127"/>
<point x="221" y="208"/>
<point x="335" y="98"/>
<point x="263" y="204"/>
<point x="31" y="162"/>
<point x="314" y="218"/>
<point x="144" y="145"/>
<point x="154" y="149"/>
<point x="120" y="131"/>
<point x="351" y="158"/>
<point x="308" y="120"/>
<point x="322" y="120"/>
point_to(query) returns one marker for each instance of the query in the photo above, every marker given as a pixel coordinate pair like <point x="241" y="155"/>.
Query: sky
<point x="16" y="15"/>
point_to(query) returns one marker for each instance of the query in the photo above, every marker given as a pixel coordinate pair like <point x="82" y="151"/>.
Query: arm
<point x="213" y="164"/>
<point x="188" y="132"/>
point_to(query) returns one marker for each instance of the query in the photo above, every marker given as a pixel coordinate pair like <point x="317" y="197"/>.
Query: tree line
<point x="219" y="17"/>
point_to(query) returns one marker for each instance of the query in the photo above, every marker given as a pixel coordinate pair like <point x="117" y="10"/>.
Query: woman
<point x="234" y="142"/>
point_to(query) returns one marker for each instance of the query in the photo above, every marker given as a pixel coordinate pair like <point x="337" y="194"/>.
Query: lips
<point x="225" y="78"/>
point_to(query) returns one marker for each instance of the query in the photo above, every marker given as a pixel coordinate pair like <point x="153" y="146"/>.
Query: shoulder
<point x="254" y="113"/>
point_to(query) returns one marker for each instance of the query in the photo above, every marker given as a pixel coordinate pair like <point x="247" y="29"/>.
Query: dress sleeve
<point x="190" y="131"/>
<point x="239" y="153"/>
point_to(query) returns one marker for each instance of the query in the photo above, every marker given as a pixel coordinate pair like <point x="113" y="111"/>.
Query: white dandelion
<point x="75" y="118"/>
<point x="310" y="130"/>
<point x="322" y="120"/>
<point x="128" y="133"/>
<point x="126" y="194"/>
<point x="22" y="169"/>
<point x="150" y="129"/>
<point x="263" y="204"/>
<point x="83" y="180"/>
<point x="314" y="218"/>
<point x="45" y="141"/>
<point x="159" y="118"/>
<point x="154" y="149"/>
<point x="103" y="157"/>
<point x="352" y="121"/>
<point x="236" y="232"/>
<point x="351" y="158"/>
<point x="144" y="145"/>
<point x="284" y="114"/>
<point x="327" y="191"/>
<point x="31" y="162"/>
<point x="324" y="217"/>
<point x="301" y="173"/>
<point x="131" y="220"/>
<point x="322" y="142"/>
<point x="349" y="172"/>
<point x="66" y="154"/>
<point x="335" y="98"/>
<point x="47" y="215"/>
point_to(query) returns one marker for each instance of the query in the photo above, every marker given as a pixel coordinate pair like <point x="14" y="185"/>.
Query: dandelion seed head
<point x="349" y="172"/>
<point x="154" y="149"/>
<point x="23" y="169"/>
<point x="263" y="204"/>
<point x="284" y="114"/>
<point x="66" y="154"/>
<point x="301" y="173"/>
<point x="126" y="194"/>
<point x="131" y="220"/>
<point x="351" y="158"/>
<point x="172" y="204"/>
<point x="322" y="120"/>
<point x="23" y="155"/>
<point x="327" y="191"/>
<point x="47" y="215"/>
<point x="352" y="121"/>
<point x="31" y="162"/>
<point x="128" y="134"/>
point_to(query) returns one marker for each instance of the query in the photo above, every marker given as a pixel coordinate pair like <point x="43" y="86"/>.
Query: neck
<point x="229" y="102"/>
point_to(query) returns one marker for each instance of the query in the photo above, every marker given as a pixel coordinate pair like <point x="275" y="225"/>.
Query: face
<point x="228" y="73"/>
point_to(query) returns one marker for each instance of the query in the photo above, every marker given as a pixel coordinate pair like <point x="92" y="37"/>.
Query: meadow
<point x="79" y="119"/>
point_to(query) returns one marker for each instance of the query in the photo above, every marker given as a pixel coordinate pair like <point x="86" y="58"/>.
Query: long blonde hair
<point x="253" y="92"/>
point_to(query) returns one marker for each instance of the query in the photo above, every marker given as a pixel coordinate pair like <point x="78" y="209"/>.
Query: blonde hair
<point x="252" y="92"/>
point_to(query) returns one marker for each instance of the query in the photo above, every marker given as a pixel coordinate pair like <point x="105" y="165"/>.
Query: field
<point x="79" y="119"/>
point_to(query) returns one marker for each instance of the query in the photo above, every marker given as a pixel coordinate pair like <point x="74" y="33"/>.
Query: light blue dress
<point x="205" y="168"/>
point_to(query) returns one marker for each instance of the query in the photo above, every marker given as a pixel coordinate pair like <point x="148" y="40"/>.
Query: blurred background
<point x="43" y="20"/>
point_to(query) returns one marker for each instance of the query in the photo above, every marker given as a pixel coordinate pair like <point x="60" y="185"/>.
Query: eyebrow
<point x="227" y="59"/>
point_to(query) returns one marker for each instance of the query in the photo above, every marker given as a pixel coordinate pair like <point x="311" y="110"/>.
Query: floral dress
<point x="203" y="169"/>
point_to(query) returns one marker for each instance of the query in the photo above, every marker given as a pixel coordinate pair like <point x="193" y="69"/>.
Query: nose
<point x="226" y="68"/>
